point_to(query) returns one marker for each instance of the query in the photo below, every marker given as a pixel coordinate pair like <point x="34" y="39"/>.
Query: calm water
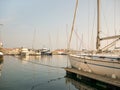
<point x="37" y="73"/>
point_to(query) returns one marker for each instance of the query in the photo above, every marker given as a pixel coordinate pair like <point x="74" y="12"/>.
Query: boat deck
<point x="107" y="80"/>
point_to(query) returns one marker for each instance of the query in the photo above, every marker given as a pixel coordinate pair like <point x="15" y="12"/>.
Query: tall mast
<point x="33" y="39"/>
<point x="98" y="26"/>
<point x="73" y="24"/>
<point x="116" y="37"/>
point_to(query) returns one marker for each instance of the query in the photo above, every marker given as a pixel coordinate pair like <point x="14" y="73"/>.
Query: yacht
<point x="101" y="62"/>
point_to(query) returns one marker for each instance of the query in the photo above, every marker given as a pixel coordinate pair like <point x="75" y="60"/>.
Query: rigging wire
<point x="115" y="18"/>
<point x="79" y="39"/>
<point x="114" y="29"/>
<point x="33" y="39"/>
<point x="88" y="20"/>
<point x="76" y="41"/>
<point x="119" y="16"/>
<point x="105" y="22"/>
<point x="92" y="36"/>
<point x="66" y="35"/>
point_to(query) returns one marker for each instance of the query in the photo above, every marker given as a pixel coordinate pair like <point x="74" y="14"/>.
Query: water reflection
<point x="26" y="59"/>
<point x="85" y="84"/>
<point x="39" y="73"/>
<point x="1" y="64"/>
<point x="78" y="85"/>
<point x="42" y="57"/>
<point x="59" y="61"/>
<point x="29" y="57"/>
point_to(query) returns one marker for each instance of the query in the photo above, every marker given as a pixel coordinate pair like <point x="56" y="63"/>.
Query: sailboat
<point x="100" y="62"/>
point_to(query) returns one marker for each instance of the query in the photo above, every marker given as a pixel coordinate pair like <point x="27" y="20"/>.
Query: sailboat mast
<point x="98" y="26"/>
<point x="33" y="39"/>
<point x="73" y="24"/>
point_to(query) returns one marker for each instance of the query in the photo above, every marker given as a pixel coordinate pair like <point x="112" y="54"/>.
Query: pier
<point x="92" y="77"/>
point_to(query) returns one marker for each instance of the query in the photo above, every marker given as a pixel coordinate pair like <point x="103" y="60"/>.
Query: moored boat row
<point x="32" y="52"/>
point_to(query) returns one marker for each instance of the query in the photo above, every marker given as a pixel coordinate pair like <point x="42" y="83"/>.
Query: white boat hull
<point x="105" y="67"/>
<point x="1" y="55"/>
<point x="24" y="53"/>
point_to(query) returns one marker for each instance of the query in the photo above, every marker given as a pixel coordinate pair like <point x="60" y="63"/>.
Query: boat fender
<point x="113" y="76"/>
<point x="79" y="68"/>
<point x="89" y="71"/>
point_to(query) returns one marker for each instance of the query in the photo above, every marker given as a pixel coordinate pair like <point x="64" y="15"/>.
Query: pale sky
<point x="50" y="22"/>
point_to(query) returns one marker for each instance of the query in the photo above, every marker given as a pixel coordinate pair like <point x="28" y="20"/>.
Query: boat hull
<point x="104" y="67"/>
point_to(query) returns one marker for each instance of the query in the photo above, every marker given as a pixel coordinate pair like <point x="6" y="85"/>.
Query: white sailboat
<point x="100" y="63"/>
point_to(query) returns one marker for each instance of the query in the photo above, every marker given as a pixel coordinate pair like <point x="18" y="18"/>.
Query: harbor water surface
<point x="37" y="73"/>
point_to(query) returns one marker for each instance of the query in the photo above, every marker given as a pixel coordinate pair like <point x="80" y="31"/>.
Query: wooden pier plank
<point x="111" y="81"/>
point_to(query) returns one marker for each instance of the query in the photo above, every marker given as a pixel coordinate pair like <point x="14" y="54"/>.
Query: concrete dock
<point x="106" y="80"/>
